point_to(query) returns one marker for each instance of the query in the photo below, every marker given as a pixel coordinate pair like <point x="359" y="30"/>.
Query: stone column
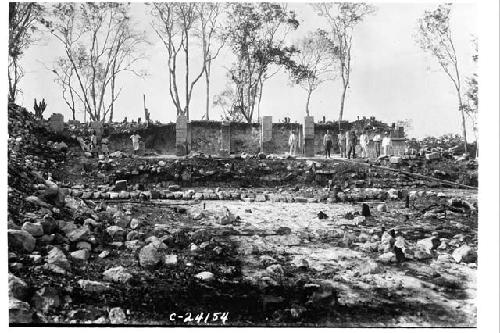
<point x="225" y="135"/>
<point x="56" y="122"/>
<point x="267" y="134"/>
<point x="98" y="128"/>
<point x="309" y="136"/>
<point x="181" y="136"/>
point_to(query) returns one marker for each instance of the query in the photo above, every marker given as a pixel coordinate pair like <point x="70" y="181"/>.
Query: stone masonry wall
<point x="281" y="134"/>
<point x="245" y="138"/>
<point x="157" y="138"/>
<point x="205" y="137"/>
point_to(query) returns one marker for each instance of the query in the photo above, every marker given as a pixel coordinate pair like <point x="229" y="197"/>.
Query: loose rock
<point x="17" y="287"/>
<point x="35" y="229"/>
<point x="117" y="316"/>
<point x="92" y="286"/>
<point x="19" y="312"/>
<point x="117" y="274"/>
<point x="20" y="240"/>
<point x="464" y="254"/>
<point x="149" y="256"/>
<point x="205" y="276"/>
<point x="46" y="299"/>
<point x="56" y="257"/>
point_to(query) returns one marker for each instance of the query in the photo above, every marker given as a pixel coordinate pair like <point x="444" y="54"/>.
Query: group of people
<point x="347" y="142"/>
<point x="98" y="144"/>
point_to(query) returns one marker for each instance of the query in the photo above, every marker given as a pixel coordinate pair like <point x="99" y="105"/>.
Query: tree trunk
<point x="73" y="108"/>
<point x="464" y="130"/>
<point x="112" y="109"/>
<point x="13" y="82"/>
<point x="342" y="100"/>
<point x="307" y="103"/>
<point x="187" y="75"/>
<point x="11" y="90"/>
<point x="260" y="98"/>
<point x="207" y="81"/>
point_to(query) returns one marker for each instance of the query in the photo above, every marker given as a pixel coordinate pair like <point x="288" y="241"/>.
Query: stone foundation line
<point x="412" y="174"/>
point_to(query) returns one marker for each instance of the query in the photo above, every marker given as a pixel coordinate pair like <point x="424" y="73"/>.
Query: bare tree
<point x="64" y="78"/>
<point x="471" y="101"/>
<point x="342" y="18"/>
<point x="23" y="22"/>
<point x="174" y="23"/>
<point x="99" y="43"/>
<point x="317" y="54"/>
<point x="209" y="23"/>
<point x="435" y="37"/>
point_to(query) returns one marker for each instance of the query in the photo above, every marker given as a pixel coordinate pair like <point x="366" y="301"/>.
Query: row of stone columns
<point x="266" y="136"/>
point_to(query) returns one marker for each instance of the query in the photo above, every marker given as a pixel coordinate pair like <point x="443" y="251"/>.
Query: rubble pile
<point x="258" y="239"/>
<point x="437" y="165"/>
<point x="94" y="267"/>
<point x="31" y="156"/>
<point x="158" y="175"/>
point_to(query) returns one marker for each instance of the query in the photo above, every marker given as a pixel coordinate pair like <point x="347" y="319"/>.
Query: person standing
<point x="363" y="142"/>
<point x="386" y="143"/>
<point x="93" y="143"/>
<point x="135" y="142"/>
<point x="351" y="148"/>
<point x="292" y="142"/>
<point x="342" y="144"/>
<point x="328" y="143"/>
<point x="376" y="140"/>
<point x="346" y="141"/>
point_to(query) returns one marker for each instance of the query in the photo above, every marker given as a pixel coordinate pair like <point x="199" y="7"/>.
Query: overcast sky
<point x="392" y="78"/>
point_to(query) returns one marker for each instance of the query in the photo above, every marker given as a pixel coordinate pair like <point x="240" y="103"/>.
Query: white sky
<point x="392" y="78"/>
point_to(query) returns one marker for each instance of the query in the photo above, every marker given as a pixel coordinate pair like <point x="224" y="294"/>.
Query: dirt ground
<point x="417" y="293"/>
<point x="325" y="274"/>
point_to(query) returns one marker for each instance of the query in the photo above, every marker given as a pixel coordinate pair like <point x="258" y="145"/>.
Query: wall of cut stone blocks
<point x="281" y="134"/>
<point x="245" y="138"/>
<point x="206" y="137"/>
<point x="56" y="122"/>
<point x="156" y="138"/>
<point x="215" y="137"/>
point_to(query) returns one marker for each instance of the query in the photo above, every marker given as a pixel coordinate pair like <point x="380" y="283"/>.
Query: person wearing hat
<point x="328" y="143"/>
<point x="386" y="143"/>
<point x="377" y="140"/>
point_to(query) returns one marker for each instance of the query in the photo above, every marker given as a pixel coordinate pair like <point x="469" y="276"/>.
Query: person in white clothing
<point x="292" y="142"/>
<point x="363" y="142"/>
<point x="386" y="143"/>
<point x="135" y="142"/>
